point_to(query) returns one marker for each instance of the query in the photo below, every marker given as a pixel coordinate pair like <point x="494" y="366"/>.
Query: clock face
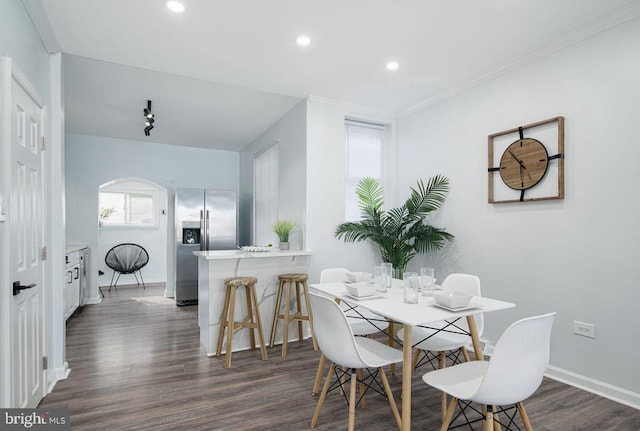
<point x="524" y="163"/>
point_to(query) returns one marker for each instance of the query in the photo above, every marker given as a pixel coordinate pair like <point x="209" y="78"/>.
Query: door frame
<point x="8" y="74"/>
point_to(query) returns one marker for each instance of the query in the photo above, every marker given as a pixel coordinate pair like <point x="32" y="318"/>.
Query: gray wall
<point x="290" y="132"/>
<point x="577" y="256"/>
<point x="92" y="161"/>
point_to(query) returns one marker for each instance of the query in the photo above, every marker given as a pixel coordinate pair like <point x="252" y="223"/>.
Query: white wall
<point x="92" y="161"/>
<point x="290" y="132"/>
<point x="20" y="41"/>
<point x="577" y="256"/>
<point x="326" y="186"/>
<point x="153" y="239"/>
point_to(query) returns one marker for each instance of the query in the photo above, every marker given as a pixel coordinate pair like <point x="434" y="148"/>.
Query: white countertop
<point x="239" y="254"/>
<point x="72" y="248"/>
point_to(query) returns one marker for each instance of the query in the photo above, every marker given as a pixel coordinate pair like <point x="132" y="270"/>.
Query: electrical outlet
<point x="584" y="329"/>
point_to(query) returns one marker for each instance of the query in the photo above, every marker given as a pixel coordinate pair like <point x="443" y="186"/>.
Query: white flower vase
<point x="284" y="245"/>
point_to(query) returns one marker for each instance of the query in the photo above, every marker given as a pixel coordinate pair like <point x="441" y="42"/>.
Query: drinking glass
<point x="387" y="270"/>
<point x="411" y="284"/>
<point x="379" y="278"/>
<point x="426" y="281"/>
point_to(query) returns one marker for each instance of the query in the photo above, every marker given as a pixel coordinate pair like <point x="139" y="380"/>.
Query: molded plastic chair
<point x="359" y="325"/>
<point x="126" y="258"/>
<point x="513" y="374"/>
<point x="440" y="345"/>
<point x="338" y="343"/>
<point x="442" y="342"/>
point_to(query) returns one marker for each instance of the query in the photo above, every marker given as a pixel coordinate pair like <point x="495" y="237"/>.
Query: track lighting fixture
<point x="150" y="118"/>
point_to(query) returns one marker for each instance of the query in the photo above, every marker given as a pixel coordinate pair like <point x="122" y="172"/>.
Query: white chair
<point x="356" y="319"/>
<point x="438" y="346"/>
<point x="514" y="373"/>
<point x="349" y="355"/>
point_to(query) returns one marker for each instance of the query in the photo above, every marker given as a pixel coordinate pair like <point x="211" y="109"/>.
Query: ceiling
<point x="220" y="73"/>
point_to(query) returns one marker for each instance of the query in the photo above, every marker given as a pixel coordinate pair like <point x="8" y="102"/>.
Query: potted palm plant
<point x="283" y="229"/>
<point x="402" y="232"/>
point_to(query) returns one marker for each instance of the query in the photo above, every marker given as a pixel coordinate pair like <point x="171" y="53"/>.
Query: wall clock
<point x="526" y="163"/>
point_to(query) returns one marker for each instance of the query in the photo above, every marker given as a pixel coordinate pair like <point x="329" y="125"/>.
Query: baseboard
<point x="611" y="392"/>
<point x="614" y="393"/>
<point x="91" y="301"/>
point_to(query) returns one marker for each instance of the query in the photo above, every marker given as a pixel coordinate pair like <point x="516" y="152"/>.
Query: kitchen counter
<point x="239" y="254"/>
<point x="216" y="265"/>
<point x="72" y="248"/>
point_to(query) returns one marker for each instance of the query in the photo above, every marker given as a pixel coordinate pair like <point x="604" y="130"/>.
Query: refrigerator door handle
<point x="203" y="233"/>
<point x="206" y="224"/>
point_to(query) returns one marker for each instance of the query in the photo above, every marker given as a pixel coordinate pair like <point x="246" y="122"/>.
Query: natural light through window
<point x="128" y="203"/>
<point x="364" y="147"/>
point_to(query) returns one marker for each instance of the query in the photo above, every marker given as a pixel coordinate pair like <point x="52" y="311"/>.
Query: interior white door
<point x="26" y="219"/>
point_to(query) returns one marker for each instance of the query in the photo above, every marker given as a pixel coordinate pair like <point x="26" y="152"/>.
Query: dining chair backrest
<point x="333" y="333"/>
<point x="469" y="284"/>
<point x="518" y="363"/>
<point x="333" y="275"/>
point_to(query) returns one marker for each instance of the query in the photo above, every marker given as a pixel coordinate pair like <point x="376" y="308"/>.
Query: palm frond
<point x="400" y="233"/>
<point x="370" y="196"/>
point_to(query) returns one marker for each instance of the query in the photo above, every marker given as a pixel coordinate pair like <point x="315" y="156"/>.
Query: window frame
<point x="350" y="198"/>
<point x="127" y="192"/>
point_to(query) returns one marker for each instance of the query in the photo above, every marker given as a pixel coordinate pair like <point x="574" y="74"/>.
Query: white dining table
<point x="392" y="306"/>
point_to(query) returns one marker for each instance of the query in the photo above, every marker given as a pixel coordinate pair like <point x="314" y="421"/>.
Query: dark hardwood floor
<point x="136" y="364"/>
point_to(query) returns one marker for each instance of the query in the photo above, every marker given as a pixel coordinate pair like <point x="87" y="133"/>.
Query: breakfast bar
<point x="216" y="265"/>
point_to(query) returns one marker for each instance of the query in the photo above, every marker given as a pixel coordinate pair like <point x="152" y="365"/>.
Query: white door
<point x="26" y="219"/>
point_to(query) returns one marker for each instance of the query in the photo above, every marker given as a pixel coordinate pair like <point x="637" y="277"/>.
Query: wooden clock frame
<point x="556" y="155"/>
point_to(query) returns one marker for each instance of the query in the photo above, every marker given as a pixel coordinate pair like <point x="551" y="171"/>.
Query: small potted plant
<point x="283" y="229"/>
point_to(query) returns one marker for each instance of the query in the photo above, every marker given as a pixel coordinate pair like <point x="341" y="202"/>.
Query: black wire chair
<point x="126" y="258"/>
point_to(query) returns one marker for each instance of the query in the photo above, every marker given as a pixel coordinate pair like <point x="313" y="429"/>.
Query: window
<point x="364" y="146"/>
<point x="128" y="203"/>
<point x="265" y="194"/>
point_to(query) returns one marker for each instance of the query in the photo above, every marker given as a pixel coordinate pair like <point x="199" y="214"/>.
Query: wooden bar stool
<point x="284" y="291"/>
<point x="252" y="322"/>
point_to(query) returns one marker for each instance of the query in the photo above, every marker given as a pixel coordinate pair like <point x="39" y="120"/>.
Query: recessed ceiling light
<point x="303" y="40"/>
<point x="392" y="65"/>
<point x="175" y="6"/>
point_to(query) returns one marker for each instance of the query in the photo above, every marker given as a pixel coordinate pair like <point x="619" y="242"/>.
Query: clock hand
<point x="518" y="160"/>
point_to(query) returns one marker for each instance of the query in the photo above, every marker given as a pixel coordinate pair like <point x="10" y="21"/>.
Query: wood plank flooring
<point x="137" y="364"/>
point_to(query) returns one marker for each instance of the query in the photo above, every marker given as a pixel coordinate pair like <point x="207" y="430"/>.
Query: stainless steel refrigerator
<point x="205" y="220"/>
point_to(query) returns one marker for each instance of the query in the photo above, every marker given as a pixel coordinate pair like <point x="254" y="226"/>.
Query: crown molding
<point x="617" y="17"/>
<point x="354" y="108"/>
<point x="41" y="21"/>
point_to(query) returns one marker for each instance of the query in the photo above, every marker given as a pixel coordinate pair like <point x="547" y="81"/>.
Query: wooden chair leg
<point x="310" y="314"/>
<point x="256" y="310"/>
<point x="442" y="362"/>
<point x="361" y="377"/>
<point x="352" y="402"/>
<point x="446" y="421"/>
<point x="286" y="319"/>
<point x="323" y="396"/>
<point x="321" y="364"/>
<point x="416" y="357"/>
<point x="524" y="417"/>
<point x="392" y="343"/>
<point x="487" y="424"/>
<point x="275" y="315"/>
<point x="465" y="354"/>
<point x="392" y="401"/>
<point x="250" y="319"/>
<point x="231" y="326"/>
<point x="299" y="311"/>
<point x="224" y="318"/>
<point x="496" y="423"/>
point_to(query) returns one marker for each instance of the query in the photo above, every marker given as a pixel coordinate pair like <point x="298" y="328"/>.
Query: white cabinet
<point x="71" y="283"/>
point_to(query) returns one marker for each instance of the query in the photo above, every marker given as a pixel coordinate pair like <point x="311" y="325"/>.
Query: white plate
<point x="470" y="306"/>
<point x="256" y="249"/>
<point x="359" y="298"/>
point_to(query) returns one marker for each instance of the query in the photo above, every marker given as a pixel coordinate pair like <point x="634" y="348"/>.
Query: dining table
<point x="390" y="305"/>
